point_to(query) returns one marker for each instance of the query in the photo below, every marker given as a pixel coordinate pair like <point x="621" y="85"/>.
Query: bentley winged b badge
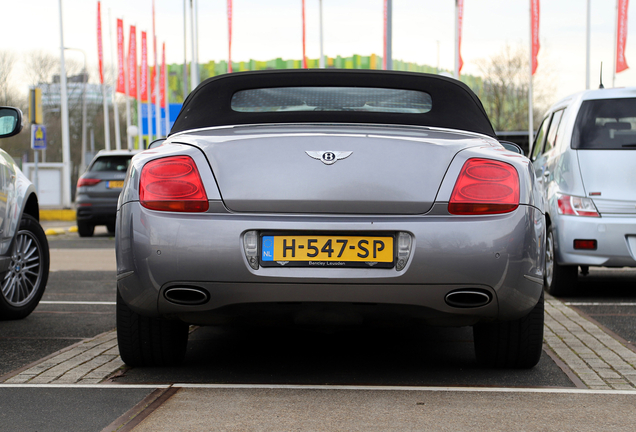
<point x="329" y="157"/>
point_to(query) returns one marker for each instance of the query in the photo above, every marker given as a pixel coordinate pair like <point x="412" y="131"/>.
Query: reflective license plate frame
<point x="370" y="236"/>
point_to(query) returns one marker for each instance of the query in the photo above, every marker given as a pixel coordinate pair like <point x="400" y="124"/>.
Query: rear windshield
<point x="285" y="99"/>
<point x="111" y="163"/>
<point x="606" y="124"/>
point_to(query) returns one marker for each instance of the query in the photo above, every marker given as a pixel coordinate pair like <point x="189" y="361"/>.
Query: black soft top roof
<point x="454" y="105"/>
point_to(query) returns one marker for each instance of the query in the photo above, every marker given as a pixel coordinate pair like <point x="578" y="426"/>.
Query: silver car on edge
<point x="584" y="156"/>
<point x="300" y="196"/>
<point x="24" y="250"/>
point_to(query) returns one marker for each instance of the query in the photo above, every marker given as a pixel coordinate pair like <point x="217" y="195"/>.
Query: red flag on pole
<point x="162" y="77"/>
<point x="100" y="48"/>
<point x="143" y="79"/>
<point x="304" y="55"/>
<point x="534" y="22"/>
<point x="385" y="29"/>
<point x="132" y="62"/>
<point x="621" y="36"/>
<point x="229" y="29"/>
<point x="121" y="76"/>
<point x="460" y="19"/>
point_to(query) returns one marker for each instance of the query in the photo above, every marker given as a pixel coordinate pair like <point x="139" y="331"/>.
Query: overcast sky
<point x="266" y="29"/>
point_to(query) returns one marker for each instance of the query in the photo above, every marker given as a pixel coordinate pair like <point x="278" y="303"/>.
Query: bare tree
<point x="7" y="63"/>
<point x="40" y="66"/>
<point x="505" y="89"/>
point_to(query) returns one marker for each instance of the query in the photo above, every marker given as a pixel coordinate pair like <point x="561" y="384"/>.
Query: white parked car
<point x="584" y="156"/>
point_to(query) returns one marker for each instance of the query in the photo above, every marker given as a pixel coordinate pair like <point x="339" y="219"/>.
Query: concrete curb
<point x="57" y="214"/>
<point x="58" y="231"/>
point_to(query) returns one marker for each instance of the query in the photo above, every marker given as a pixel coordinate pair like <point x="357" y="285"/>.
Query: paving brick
<point x="600" y="387"/>
<point x="89" y="381"/>
<point x="622" y="387"/>
<point x="20" y="379"/>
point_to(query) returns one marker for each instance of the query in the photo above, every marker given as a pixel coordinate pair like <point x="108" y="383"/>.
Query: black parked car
<point x="98" y="190"/>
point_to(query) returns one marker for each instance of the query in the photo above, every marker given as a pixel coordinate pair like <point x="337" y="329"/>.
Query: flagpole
<point x="193" y="63"/>
<point x="140" y="132"/>
<point x="389" y="34"/>
<point x="185" y="50"/>
<point x="113" y="89"/>
<point x="229" y="35"/>
<point x="304" y="61"/>
<point x="127" y="90"/>
<point x="321" y="62"/>
<point x="530" y="58"/>
<point x="101" y="71"/>
<point x="66" y="145"/>
<point x="149" y="101"/>
<point x="157" y="91"/>
<point x="166" y="93"/>
<point x="196" y="35"/>
<point x="157" y="96"/>
<point x="588" y="44"/>
<point x="456" y="39"/>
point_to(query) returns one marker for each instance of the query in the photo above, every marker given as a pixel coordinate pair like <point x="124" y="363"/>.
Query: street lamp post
<point x="66" y="151"/>
<point x="84" y="82"/>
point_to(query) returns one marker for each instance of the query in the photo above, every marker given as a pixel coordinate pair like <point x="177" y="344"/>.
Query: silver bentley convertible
<point x="330" y="197"/>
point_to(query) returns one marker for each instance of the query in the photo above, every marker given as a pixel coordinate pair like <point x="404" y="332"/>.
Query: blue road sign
<point x="38" y="137"/>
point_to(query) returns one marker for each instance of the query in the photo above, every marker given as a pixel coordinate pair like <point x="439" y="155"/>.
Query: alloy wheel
<point x="549" y="259"/>
<point x="22" y="280"/>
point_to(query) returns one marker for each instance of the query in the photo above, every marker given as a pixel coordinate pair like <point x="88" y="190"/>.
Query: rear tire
<point x="85" y="229"/>
<point x="24" y="283"/>
<point x="511" y="344"/>
<point x="110" y="226"/>
<point x="147" y="341"/>
<point x="559" y="280"/>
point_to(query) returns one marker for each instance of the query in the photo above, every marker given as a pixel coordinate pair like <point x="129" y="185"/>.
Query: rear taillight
<point x="585" y="244"/>
<point x="576" y="206"/>
<point x="485" y="186"/>
<point x="172" y="184"/>
<point x="87" y="182"/>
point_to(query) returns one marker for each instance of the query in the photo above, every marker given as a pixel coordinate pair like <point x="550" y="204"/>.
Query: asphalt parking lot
<point x="59" y="368"/>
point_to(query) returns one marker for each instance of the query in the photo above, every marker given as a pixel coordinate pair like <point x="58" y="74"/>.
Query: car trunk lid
<point x="357" y="173"/>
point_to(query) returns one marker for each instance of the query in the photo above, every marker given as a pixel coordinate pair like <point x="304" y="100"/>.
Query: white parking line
<point x="94" y="386"/>
<point x="598" y="304"/>
<point x="331" y="387"/>
<point x="406" y="388"/>
<point x="79" y="303"/>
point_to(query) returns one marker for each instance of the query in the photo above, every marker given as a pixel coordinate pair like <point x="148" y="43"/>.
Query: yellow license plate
<point x="327" y="250"/>
<point x="116" y="184"/>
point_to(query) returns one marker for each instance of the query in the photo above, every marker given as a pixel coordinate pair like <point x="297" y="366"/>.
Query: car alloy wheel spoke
<point x="8" y="289"/>
<point x="549" y="259"/>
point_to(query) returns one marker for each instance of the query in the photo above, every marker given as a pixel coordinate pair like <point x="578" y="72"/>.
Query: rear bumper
<point x="611" y="233"/>
<point x="97" y="211"/>
<point x="502" y="255"/>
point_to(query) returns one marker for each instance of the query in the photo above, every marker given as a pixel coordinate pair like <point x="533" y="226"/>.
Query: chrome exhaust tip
<point x="187" y="296"/>
<point x="468" y="298"/>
